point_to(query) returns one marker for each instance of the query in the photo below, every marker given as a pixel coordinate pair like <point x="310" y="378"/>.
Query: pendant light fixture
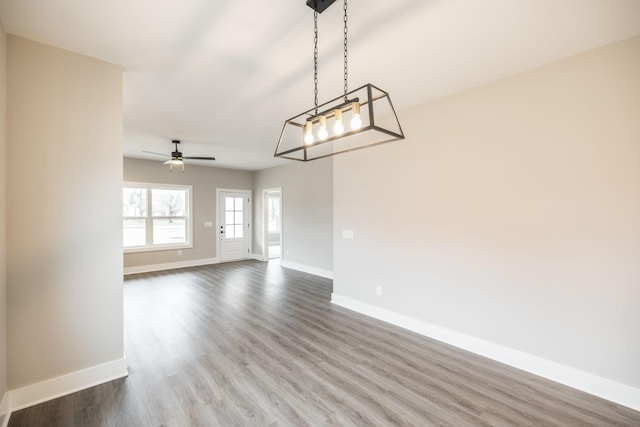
<point x="362" y="118"/>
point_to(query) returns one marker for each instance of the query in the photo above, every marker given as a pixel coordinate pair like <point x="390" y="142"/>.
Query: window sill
<point x="157" y="248"/>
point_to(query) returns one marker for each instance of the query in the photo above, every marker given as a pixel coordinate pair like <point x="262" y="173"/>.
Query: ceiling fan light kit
<point x="362" y="118"/>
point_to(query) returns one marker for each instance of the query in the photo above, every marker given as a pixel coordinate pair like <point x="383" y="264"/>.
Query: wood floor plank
<point x="253" y="344"/>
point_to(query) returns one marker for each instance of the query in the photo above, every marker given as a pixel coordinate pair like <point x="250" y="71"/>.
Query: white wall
<point x="307" y="212"/>
<point x="3" y="209"/>
<point x="510" y="213"/>
<point x="204" y="181"/>
<point x="64" y="207"/>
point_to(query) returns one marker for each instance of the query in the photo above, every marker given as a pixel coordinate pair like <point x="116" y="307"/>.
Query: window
<point x="274" y="210"/>
<point x="156" y="217"/>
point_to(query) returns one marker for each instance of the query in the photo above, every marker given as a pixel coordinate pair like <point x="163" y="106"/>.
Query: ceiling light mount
<point x="362" y="118"/>
<point x="320" y="5"/>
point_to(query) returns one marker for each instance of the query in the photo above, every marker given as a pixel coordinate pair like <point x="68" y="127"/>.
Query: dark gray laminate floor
<point x="252" y="344"/>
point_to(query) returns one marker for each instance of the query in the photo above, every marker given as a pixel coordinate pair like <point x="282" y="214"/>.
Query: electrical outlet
<point x="179" y="253"/>
<point x="287" y="252"/>
<point x="379" y="291"/>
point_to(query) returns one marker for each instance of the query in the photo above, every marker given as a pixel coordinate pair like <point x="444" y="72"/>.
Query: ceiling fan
<point x="177" y="158"/>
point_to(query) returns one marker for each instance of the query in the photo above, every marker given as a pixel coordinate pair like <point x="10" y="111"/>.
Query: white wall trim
<point x="607" y="389"/>
<point x="169" y="265"/>
<point x="327" y="274"/>
<point x="258" y="257"/>
<point x="53" y="388"/>
<point x="5" y="411"/>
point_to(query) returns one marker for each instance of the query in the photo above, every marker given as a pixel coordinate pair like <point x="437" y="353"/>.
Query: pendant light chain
<point x="346" y="70"/>
<point x="315" y="58"/>
<point x="343" y="123"/>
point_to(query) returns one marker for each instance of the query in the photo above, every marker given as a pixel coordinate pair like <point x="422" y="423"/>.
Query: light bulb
<point x="338" y="127"/>
<point x="356" y="121"/>
<point x="322" y="133"/>
<point x="308" y="135"/>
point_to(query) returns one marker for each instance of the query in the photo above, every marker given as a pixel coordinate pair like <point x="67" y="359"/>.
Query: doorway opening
<point x="272" y="208"/>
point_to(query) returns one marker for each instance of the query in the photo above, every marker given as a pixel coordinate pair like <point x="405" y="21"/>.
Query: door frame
<point x="248" y="194"/>
<point x="265" y="222"/>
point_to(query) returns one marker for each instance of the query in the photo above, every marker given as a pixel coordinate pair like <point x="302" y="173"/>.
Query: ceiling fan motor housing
<point x="176" y="154"/>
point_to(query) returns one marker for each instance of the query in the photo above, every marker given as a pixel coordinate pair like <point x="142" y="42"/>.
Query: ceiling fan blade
<point x="198" y="158"/>
<point x="159" y="154"/>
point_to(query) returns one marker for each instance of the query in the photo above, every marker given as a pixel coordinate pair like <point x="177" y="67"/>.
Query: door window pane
<point x="228" y="203"/>
<point x="234" y="207"/>
<point x="229" y="216"/>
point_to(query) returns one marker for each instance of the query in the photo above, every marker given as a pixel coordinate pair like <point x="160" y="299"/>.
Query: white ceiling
<point x="224" y="75"/>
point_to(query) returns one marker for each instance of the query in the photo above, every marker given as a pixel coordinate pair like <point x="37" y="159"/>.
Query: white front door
<point x="234" y="233"/>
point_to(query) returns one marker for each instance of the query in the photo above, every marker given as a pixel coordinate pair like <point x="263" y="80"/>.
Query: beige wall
<point x="307" y="211"/>
<point x="510" y="213"/>
<point x="3" y="209"/>
<point x="204" y="181"/>
<point x="64" y="204"/>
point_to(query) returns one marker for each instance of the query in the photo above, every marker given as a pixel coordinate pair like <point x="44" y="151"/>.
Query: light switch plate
<point x="347" y="234"/>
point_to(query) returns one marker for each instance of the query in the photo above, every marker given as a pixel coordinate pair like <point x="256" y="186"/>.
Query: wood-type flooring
<point x="254" y="344"/>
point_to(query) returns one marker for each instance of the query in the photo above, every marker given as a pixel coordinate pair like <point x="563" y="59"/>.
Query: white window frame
<point x="150" y="246"/>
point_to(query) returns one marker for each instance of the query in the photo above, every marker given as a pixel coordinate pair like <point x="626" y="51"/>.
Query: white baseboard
<point x="607" y="389"/>
<point x="34" y="394"/>
<point x="169" y="265"/>
<point x="5" y="410"/>
<point x="258" y="257"/>
<point x="307" y="269"/>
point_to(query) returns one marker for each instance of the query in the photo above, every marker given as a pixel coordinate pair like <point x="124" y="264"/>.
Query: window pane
<point x="168" y="202"/>
<point x="229" y="234"/>
<point x="238" y="204"/>
<point x="228" y="203"/>
<point x="238" y="219"/>
<point x="273" y="223"/>
<point x="134" y="201"/>
<point x="134" y="232"/>
<point x="169" y="230"/>
<point x="229" y="218"/>
<point x="274" y="205"/>
<point x="238" y="232"/>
